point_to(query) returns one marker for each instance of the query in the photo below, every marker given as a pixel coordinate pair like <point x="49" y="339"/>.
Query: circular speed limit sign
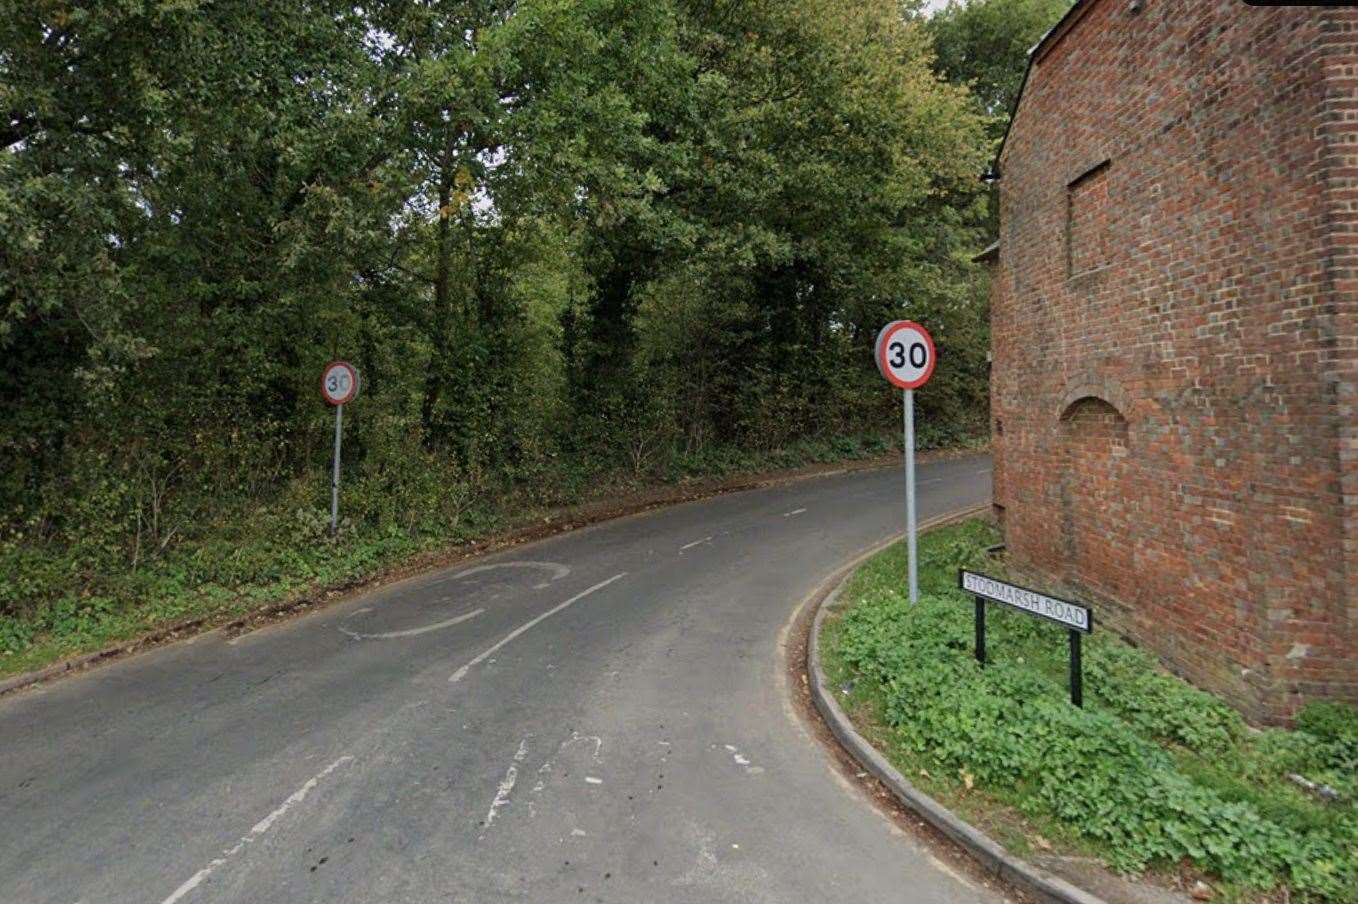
<point x="339" y="382"/>
<point x="905" y="354"/>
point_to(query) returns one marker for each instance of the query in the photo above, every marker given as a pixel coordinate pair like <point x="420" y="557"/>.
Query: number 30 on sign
<point x="339" y="383"/>
<point x="905" y="354"/>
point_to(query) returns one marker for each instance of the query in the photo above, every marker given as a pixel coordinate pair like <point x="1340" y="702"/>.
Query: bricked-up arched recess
<point x="1094" y="438"/>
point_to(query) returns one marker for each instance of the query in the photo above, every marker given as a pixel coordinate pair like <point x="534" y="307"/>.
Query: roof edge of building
<point x="1035" y="54"/>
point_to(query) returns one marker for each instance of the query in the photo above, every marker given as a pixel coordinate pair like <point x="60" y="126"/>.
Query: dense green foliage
<point x="985" y="44"/>
<point x="1150" y="772"/>
<point x="570" y="244"/>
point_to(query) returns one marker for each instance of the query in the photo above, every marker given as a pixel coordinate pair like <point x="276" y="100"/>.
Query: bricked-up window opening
<point x="1087" y="244"/>
<point x="1096" y="500"/>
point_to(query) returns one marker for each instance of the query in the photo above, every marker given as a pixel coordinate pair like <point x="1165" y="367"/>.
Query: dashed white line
<point x="414" y="632"/>
<point x="507" y="785"/>
<point x="695" y="543"/>
<point x="462" y="672"/>
<point x="795" y="514"/>
<point x="259" y="829"/>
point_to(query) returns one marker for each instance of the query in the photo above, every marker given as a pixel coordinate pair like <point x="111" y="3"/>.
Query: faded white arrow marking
<point x="557" y="570"/>
<point x="414" y="632"/>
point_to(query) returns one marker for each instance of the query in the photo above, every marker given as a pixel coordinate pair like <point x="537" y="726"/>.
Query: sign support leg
<point x="910" y="493"/>
<point x="335" y="473"/>
<point x="980" y="630"/>
<point x="1077" y="695"/>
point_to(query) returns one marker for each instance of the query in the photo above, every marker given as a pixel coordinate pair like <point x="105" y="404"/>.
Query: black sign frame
<point x="1089" y="613"/>
<point x="1076" y="660"/>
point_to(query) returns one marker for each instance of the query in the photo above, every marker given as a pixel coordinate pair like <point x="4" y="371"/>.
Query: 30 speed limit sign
<point x="906" y="357"/>
<point x="339" y="383"/>
<point x="339" y="386"/>
<point x="905" y="354"/>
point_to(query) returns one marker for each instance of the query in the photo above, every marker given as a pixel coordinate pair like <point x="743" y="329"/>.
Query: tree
<point x="564" y="240"/>
<point x="985" y="43"/>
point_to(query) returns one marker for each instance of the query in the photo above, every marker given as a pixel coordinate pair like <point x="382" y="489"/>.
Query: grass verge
<point x="1152" y="774"/>
<point x="226" y="559"/>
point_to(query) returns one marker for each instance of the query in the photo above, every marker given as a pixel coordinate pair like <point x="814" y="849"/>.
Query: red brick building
<point x="1175" y="322"/>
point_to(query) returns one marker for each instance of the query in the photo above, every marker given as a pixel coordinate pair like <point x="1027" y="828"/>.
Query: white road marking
<point x="695" y="543"/>
<point x="414" y="632"/>
<point x="558" y="570"/>
<point x="795" y="514"/>
<point x="462" y="672"/>
<point x="507" y="785"/>
<point x="259" y="829"/>
<point x="577" y="737"/>
<point x="741" y="759"/>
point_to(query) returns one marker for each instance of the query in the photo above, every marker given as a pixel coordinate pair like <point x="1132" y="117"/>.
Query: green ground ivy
<point x="1152" y="771"/>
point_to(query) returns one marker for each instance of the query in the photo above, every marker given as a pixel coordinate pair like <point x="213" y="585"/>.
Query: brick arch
<point x="1104" y="391"/>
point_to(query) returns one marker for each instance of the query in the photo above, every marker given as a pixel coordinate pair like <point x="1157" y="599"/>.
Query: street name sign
<point x="1071" y="615"/>
<point x="906" y="358"/>
<point x="1076" y="619"/>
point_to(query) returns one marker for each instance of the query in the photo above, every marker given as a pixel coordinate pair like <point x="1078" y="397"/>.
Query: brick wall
<point x="1175" y="386"/>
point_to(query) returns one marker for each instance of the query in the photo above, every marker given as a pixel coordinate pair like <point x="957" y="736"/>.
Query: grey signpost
<point x="1077" y="619"/>
<point x="906" y="358"/>
<point x="339" y="386"/>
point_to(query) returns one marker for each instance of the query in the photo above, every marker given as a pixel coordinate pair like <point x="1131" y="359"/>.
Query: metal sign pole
<point x="980" y="630"/>
<point x="1077" y="691"/>
<point x="334" y="477"/>
<point x="910" y="492"/>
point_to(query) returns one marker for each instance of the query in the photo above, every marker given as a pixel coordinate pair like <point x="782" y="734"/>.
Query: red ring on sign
<point x="353" y="382"/>
<point x="884" y="342"/>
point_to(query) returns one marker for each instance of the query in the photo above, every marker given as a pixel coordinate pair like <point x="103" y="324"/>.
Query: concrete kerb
<point x="991" y="855"/>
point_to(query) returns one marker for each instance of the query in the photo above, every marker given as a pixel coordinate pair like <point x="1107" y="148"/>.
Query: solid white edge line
<point x="462" y="672"/>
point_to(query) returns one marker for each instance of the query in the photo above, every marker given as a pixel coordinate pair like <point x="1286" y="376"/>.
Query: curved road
<point x="601" y="716"/>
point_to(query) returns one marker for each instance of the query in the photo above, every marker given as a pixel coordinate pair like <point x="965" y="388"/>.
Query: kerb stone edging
<point x="990" y="854"/>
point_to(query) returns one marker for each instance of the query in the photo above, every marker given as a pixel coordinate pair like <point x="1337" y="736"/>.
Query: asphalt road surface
<point x="602" y="716"/>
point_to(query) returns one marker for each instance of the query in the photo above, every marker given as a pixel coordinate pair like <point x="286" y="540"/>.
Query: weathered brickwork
<point x="1175" y="380"/>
